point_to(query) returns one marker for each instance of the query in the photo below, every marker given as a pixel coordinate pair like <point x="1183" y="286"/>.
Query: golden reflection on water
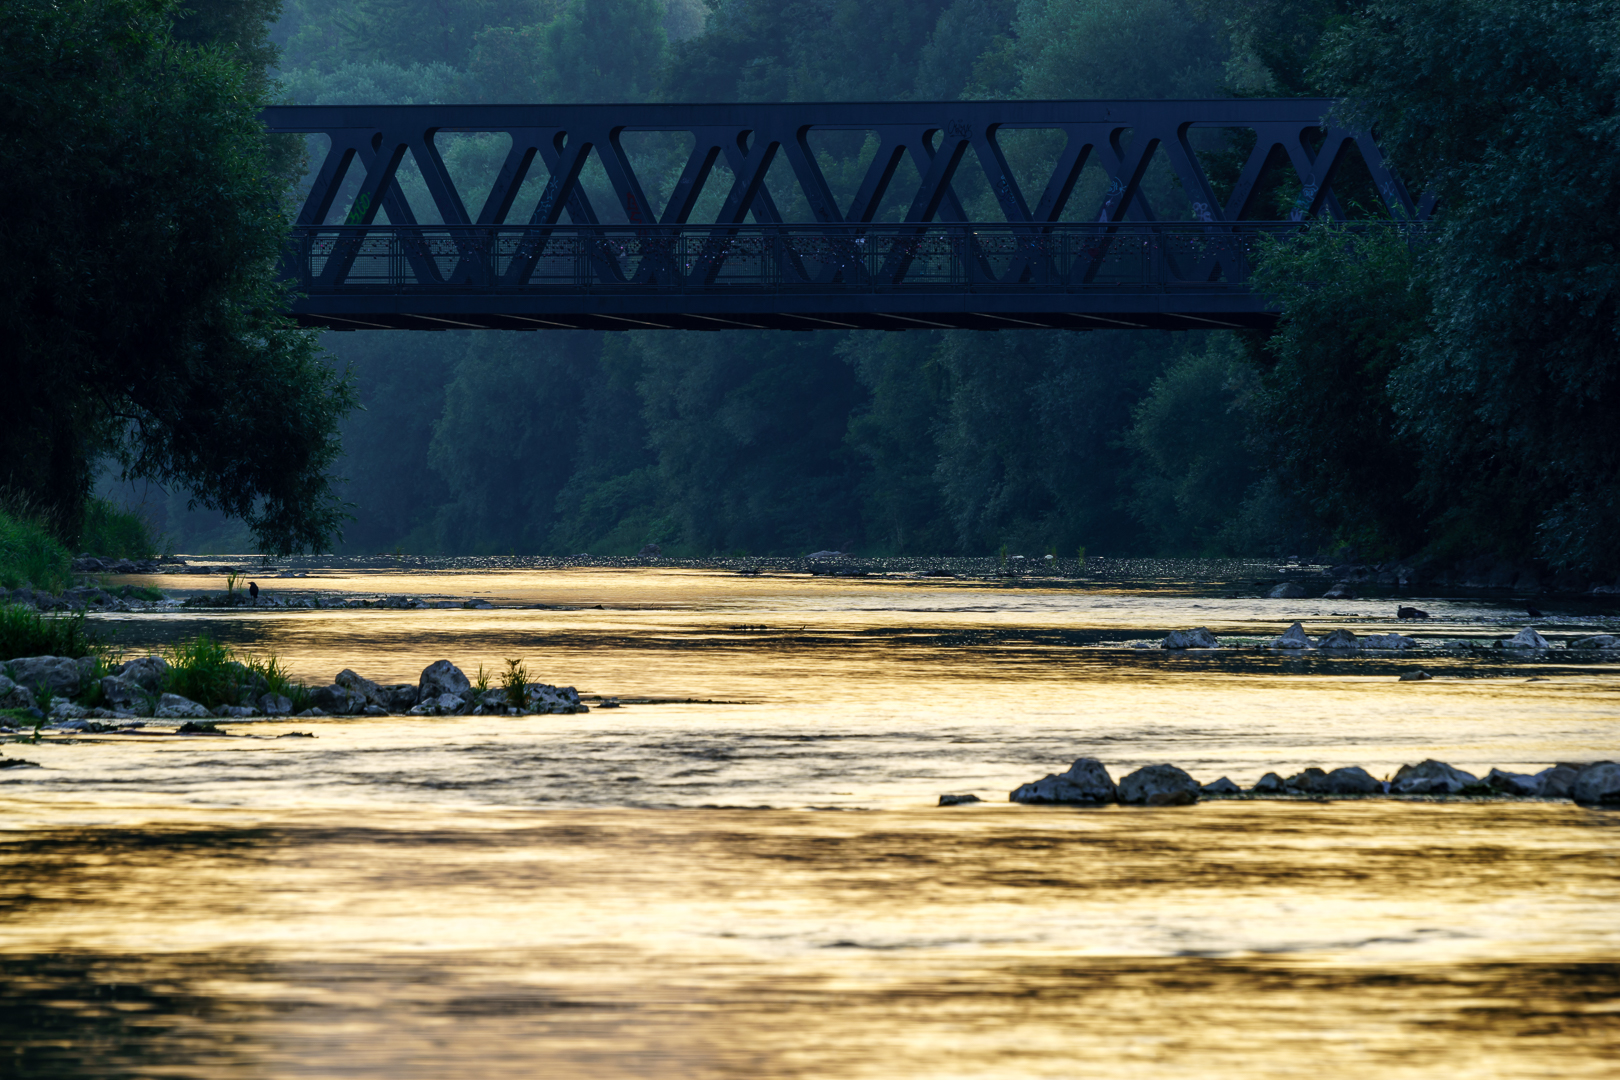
<point x="491" y="898"/>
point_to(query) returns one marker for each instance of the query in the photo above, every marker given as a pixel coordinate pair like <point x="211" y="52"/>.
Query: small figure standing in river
<point x="253" y="592"/>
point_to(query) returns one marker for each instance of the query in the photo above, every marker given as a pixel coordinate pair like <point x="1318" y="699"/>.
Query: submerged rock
<point x="1085" y="783"/>
<point x="1596" y="641"/>
<point x="1386" y="641"/>
<point x="175" y="707"/>
<point x="1197" y="638"/>
<point x="1433" y="778"/>
<point x="1415" y="676"/>
<point x="1222" y="788"/>
<point x="1292" y="638"/>
<point x="1158" y="785"/>
<point x="439" y="678"/>
<point x="1526" y="639"/>
<point x="1598" y="785"/>
<point x="958" y="800"/>
<point x="1339" y="639"/>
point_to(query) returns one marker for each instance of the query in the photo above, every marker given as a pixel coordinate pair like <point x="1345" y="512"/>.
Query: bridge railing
<point x="780" y="258"/>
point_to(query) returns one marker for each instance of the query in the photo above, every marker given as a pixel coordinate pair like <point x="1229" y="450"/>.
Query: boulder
<point x="335" y="700"/>
<point x="310" y="714"/>
<point x="1199" y="638"/>
<point x="1339" y="639"/>
<point x="1519" y="785"/>
<point x="1352" y="780"/>
<point x="175" y="707"/>
<point x="1557" y="782"/>
<point x="1270" y="784"/>
<point x="1222" y="788"/>
<point x="125" y="694"/>
<point x="1340" y="591"/>
<point x="1288" y="590"/>
<point x="235" y="712"/>
<point x="60" y="675"/>
<point x="1415" y="676"/>
<point x="397" y="697"/>
<point x="440" y="705"/>
<point x="1386" y="641"/>
<point x="1598" y="785"/>
<point x="958" y="800"/>
<point x="374" y="710"/>
<point x="1596" y="641"/>
<point x="1403" y="612"/>
<point x="13" y="696"/>
<point x="1292" y="638"/>
<point x="63" y="709"/>
<point x="364" y="687"/>
<point x="1432" y="778"/>
<point x="275" y="705"/>
<point x="439" y="678"/>
<point x="1158" y="785"/>
<point x="1526" y="639"/>
<point x="145" y="671"/>
<point x="1085" y="783"/>
<point x="545" y="698"/>
<point x="1312" y="781"/>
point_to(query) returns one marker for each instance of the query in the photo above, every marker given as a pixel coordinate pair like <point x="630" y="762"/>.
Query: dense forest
<point x="1450" y="396"/>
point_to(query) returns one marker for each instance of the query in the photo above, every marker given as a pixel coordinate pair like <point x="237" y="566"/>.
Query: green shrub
<point x="29" y="554"/>
<point x="26" y="632"/>
<point x="114" y="533"/>
<point x="516" y="684"/>
<point x="205" y="671"/>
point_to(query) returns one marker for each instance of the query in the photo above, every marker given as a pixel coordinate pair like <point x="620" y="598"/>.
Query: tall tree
<point x="140" y="290"/>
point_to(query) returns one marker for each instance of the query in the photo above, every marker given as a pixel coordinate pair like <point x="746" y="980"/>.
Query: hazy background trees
<point x="1448" y="397"/>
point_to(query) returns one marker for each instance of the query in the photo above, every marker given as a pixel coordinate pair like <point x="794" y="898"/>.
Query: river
<point x="742" y="872"/>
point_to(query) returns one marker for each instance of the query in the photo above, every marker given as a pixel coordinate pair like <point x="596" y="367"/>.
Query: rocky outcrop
<point x="397" y="697"/>
<point x="1340" y="591"/>
<point x="1158" y="785"/>
<point x="1198" y="638"/>
<point x="1596" y="641"/>
<point x="175" y="707"/>
<point x="440" y="705"/>
<point x="367" y="689"/>
<point x="1598" y="785"/>
<point x="1292" y="638"/>
<point x="1288" y="590"/>
<point x="1220" y="789"/>
<point x="1433" y="778"/>
<point x="1085" y="783"/>
<point x="1339" y="639"/>
<point x="1349" y="780"/>
<point x="545" y="698"/>
<point x="275" y="705"/>
<point x="1387" y="641"/>
<point x="147" y="671"/>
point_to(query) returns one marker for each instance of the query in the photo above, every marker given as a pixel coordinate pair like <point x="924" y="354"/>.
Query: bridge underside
<point x="604" y="310"/>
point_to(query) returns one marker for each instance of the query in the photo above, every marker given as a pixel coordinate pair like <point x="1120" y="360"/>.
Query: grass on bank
<point x="30" y="555"/>
<point x="211" y="674"/>
<point x="112" y="533"/>
<point x="26" y="632"/>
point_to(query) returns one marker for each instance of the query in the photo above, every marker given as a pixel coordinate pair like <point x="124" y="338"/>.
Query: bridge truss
<point x="621" y="261"/>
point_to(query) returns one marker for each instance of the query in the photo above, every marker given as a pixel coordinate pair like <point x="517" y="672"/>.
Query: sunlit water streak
<point x="761" y="886"/>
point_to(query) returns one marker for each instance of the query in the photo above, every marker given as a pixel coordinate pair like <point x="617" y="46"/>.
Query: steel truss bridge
<point x="1047" y="264"/>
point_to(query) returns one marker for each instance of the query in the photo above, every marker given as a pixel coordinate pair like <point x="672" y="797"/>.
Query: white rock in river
<point x="1526" y="639"/>
<point x="1198" y="638"/>
<point x="1292" y="638"/>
